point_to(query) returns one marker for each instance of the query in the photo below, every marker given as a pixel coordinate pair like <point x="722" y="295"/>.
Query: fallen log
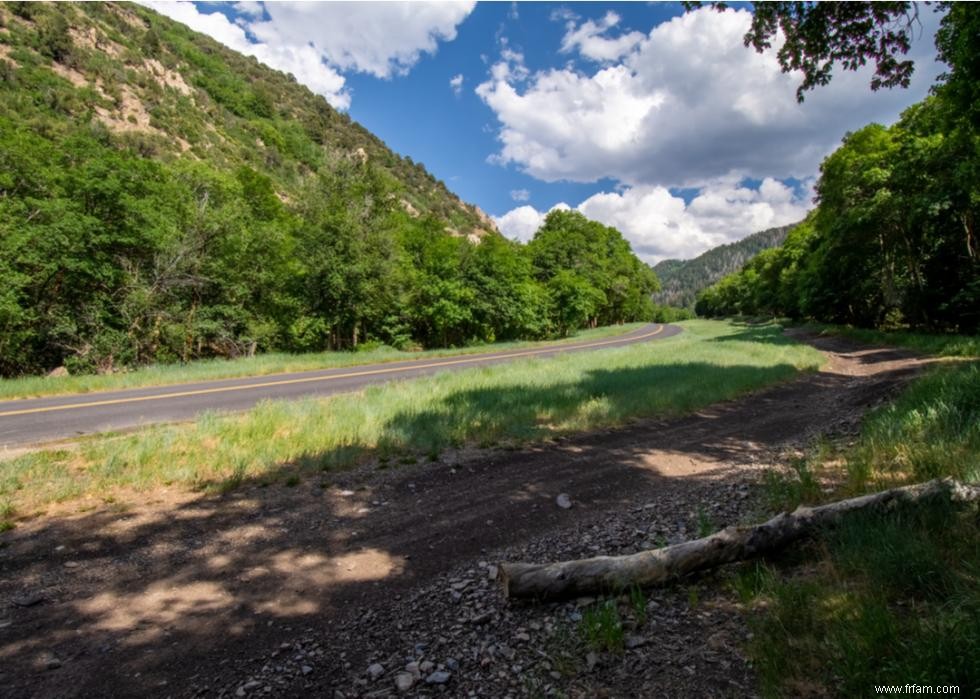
<point x="604" y="574"/>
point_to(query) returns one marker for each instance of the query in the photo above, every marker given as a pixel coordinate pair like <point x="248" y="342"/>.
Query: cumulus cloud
<point x="317" y="41"/>
<point x="523" y="222"/>
<point x="688" y="104"/>
<point x="456" y="83"/>
<point x="660" y="225"/>
<point x="520" y="194"/>
<point x="590" y="39"/>
<point x="380" y="38"/>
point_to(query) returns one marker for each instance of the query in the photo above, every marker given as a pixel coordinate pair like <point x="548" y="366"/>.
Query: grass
<point x="601" y="628"/>
<point x="885" y="598"/>
<point x="939" y="345"/>
<point x="400" y="422"/>
<point x="259" y="365"/>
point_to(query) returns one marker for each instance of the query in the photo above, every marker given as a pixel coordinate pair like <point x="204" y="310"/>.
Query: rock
<point x="438" y="677"/>
<point x="591" y="660"/>
<point x="28" y="599"/>
<point x="413" y="669"/>
<point x="492" y="572"/>
<point x="50" y="661"/>
<point x="452" y="664"/>
<point x="58" y="372"/>
<point x="563" y="501"/>
<point x="426" y="667"/>
<point x="375" y="671"/>
<point x="306" y="669"/>
<point x="404" y="681"/>
<point x="635" y="642"/>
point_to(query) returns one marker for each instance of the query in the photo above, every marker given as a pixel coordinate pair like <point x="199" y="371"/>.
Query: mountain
<point x="169" y="92"/>
<point x="164" y="198"/>
<point x="681" y="280"/>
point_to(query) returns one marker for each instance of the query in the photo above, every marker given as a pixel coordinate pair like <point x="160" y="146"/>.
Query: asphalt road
<point x="35" y="420"/>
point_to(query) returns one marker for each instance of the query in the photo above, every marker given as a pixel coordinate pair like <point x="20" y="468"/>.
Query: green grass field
<point x="887" y="598"/>
<point x="260" y="365"/>
<point x="401" y="422"/>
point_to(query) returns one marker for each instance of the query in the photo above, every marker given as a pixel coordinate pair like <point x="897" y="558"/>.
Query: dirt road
<point x="297" y="591"/>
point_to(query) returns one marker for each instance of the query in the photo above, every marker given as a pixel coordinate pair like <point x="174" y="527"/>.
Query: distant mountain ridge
<point x="681" y="280"/>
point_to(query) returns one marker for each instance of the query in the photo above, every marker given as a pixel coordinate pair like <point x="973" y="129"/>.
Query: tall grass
<point x="887" y="598"/>
<point x="260" y="365"/>
<point x="516" y="402"/>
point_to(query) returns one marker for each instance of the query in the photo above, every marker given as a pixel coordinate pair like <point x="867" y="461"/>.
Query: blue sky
<point x="652" y="120"/>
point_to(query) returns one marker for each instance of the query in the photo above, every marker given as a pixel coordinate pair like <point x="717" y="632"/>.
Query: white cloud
<point x="316" y="41"/>
<point x="380" y="38"/>
<point x="590" y="40"/>
<point x="689" y="104"/>
<point x="249" y="8"/>
<point x="523" y="222"/>
<point x="659" y="224"/>
<point x="520" y="194"/>
<point x="456" y="83"/>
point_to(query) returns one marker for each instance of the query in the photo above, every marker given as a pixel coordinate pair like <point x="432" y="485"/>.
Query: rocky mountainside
<point x="681" y="280"/>
<point x="167" y="92"/>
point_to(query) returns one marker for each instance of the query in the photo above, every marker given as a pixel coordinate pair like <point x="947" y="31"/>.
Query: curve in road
<point x="36" y="420"/>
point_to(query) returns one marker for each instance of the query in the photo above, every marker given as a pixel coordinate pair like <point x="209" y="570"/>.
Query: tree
<point x="820" y="35"/>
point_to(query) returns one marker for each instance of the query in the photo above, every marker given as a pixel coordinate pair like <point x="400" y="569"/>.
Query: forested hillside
<point x="163" y="198"/>
<point x="893" y="242"/>
<point x="681" y="280"/>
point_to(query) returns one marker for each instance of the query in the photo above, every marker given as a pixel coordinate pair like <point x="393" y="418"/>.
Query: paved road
<point x="35" y="420"/>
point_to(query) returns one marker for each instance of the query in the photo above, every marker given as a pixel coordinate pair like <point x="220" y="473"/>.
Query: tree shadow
<point x="161" y="599"/>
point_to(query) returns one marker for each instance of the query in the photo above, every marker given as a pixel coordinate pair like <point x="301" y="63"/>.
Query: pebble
<point x="375" y="671"/>
<point x="306" y="669"/>
<point x="563" y="501"/>
<point x="438" y="677"/>
<point x="404" y="681"/>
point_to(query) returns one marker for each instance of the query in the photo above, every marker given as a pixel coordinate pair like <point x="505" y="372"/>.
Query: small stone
<point x="50" y="661"/>
<point x="28" y="599"/>
<point x="404" y="681"/>
<point x="240" y="692"/>
<point x="452" y="664"/>
<point x="591" y="660"/>
<point x="375" y="671"/>
<point x="413" y="669"/>
<point x="492" y="572"/>
<point x="438" y="677"/>
<point x="306" y="669"/>
<point x="426" y="666"/>
<point x="635" y="642"/>
<point x="563" y="501"/>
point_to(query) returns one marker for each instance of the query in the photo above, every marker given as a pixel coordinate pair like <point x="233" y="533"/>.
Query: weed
<point x="705" y="526"/>
<point x="601" y="627"/>
<point x="638" y="603"/>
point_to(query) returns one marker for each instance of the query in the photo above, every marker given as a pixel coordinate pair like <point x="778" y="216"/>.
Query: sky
<point x="641" y="116"/>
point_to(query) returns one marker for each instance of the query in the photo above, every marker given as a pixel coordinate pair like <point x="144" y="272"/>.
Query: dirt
<point x="310" y="590"/>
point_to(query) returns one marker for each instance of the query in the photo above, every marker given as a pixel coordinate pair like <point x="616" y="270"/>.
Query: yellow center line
<point x="332" y="377"/>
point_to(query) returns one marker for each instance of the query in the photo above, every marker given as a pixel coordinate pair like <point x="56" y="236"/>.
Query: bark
<point x="616" y="573"/>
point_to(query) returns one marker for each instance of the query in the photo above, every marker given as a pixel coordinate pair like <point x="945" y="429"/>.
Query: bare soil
<point x="282" y="591"/>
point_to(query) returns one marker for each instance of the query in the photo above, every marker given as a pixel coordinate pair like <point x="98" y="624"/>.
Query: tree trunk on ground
<point x="616" y="573"/>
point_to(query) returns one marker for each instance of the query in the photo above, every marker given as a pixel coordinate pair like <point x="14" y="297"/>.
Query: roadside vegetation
<point x="887" y="598"/>
<point x="404" y="422"/>
<point x="265" y="364"/>
<point x="893" y="242"/>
